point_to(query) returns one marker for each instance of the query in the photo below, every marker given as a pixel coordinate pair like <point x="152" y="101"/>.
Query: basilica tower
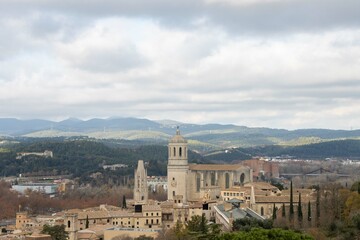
<point x="177" y="169"/>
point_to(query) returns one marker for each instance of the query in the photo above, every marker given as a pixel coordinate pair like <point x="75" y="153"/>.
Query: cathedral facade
<point x="199" y="182"/>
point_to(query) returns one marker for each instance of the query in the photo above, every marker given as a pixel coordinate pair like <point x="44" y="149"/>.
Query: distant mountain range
<point x="203" y="137"/>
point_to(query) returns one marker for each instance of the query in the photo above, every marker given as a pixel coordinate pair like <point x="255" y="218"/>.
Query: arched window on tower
<point x="174" y="152"/>
<point x="69" y="224"/>
<point x="180" y="152"/>
<point x="262" y="211"/>
<point x="242" y="178"/>
<point x="227" y="180"/>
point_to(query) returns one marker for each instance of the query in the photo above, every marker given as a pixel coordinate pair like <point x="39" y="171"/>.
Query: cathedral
<point x="189" y="183"/>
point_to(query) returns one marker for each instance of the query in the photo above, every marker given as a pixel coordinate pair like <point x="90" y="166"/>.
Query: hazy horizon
<point x="160" y="120"/>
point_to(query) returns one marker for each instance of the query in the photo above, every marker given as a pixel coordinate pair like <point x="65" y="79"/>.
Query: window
<point x="198" y="182"/>
<point x="180" y="152"/>
<point x="157" y="221"/>
<point x="174" y="193"/>
<point x="262" y="211"/>
<point x="227" y="180"/>
<point x="212" y="176"/>
<point x="174" y="152"/>
<point x="69" y="224"/>
<point x="242" y="178"/>
<point x="147" y="221"/>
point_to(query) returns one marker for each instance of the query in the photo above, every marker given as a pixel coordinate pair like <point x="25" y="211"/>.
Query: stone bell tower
<point x="177" y="170"/>
<point x="140" y="186"/>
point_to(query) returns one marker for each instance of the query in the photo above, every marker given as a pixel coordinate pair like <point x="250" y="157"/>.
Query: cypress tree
<point x="283" y="210"/>
<point x="291" y="212"/>
<point x="124" y="202"/>
<point x="274" y="212"/>
<point x="318" y="207"/>
<point x="309" y="211"/>
<point x="300" y="213"/>
<point x="87" y="222"/>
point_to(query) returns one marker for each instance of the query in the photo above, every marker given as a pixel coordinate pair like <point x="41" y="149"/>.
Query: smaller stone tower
<point x="71" y="225"/>
<point x="140" y="183"/>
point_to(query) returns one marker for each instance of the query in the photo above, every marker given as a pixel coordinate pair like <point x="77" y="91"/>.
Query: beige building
<point x="22" y="220"/>
<point x="139" y="217"/>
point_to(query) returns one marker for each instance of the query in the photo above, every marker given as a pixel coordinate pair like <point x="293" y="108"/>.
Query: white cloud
<point x="55" y="63"/>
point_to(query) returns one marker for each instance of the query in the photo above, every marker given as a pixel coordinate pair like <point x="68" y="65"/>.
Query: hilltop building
<point x="45" y="154"/>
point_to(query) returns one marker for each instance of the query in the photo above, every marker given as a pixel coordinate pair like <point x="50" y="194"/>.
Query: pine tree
<point x="124" y="202"/>
<point x="291" y="212"/>
<point x="87" y="222"/>
<point x="309" y="212"/>
<point x="300" y="213"/>
<point x="274" y="212"/>
<point x="283" y="213"/>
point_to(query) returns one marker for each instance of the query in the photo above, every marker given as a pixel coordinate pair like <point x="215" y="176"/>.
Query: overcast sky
<point x="269" y="63"/>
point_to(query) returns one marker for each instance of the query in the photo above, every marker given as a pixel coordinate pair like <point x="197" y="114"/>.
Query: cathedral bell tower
<point x="177" y="168"/>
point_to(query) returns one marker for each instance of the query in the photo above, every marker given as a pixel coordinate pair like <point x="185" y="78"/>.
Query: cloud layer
<point x="276" y="63"/>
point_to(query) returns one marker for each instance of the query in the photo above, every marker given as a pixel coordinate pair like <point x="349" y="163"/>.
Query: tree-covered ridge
<point x="83" y="157"/>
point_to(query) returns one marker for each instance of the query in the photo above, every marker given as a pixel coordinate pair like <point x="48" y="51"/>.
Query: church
<point x="190" y="183"/>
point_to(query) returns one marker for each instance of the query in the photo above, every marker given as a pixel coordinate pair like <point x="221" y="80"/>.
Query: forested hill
<point x="82" y="157"/>
<point x="331" y="149"/>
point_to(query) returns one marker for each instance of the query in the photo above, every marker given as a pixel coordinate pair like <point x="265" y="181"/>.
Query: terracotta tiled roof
<point x="151" y="208"/>
<point x="121" y="213"/>
<point x="280" y="199"/>
<point x="93" y="215"/>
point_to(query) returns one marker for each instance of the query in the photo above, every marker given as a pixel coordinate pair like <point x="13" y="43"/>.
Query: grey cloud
<point x="111" y="61"/>
<point x="278" y="16"/>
